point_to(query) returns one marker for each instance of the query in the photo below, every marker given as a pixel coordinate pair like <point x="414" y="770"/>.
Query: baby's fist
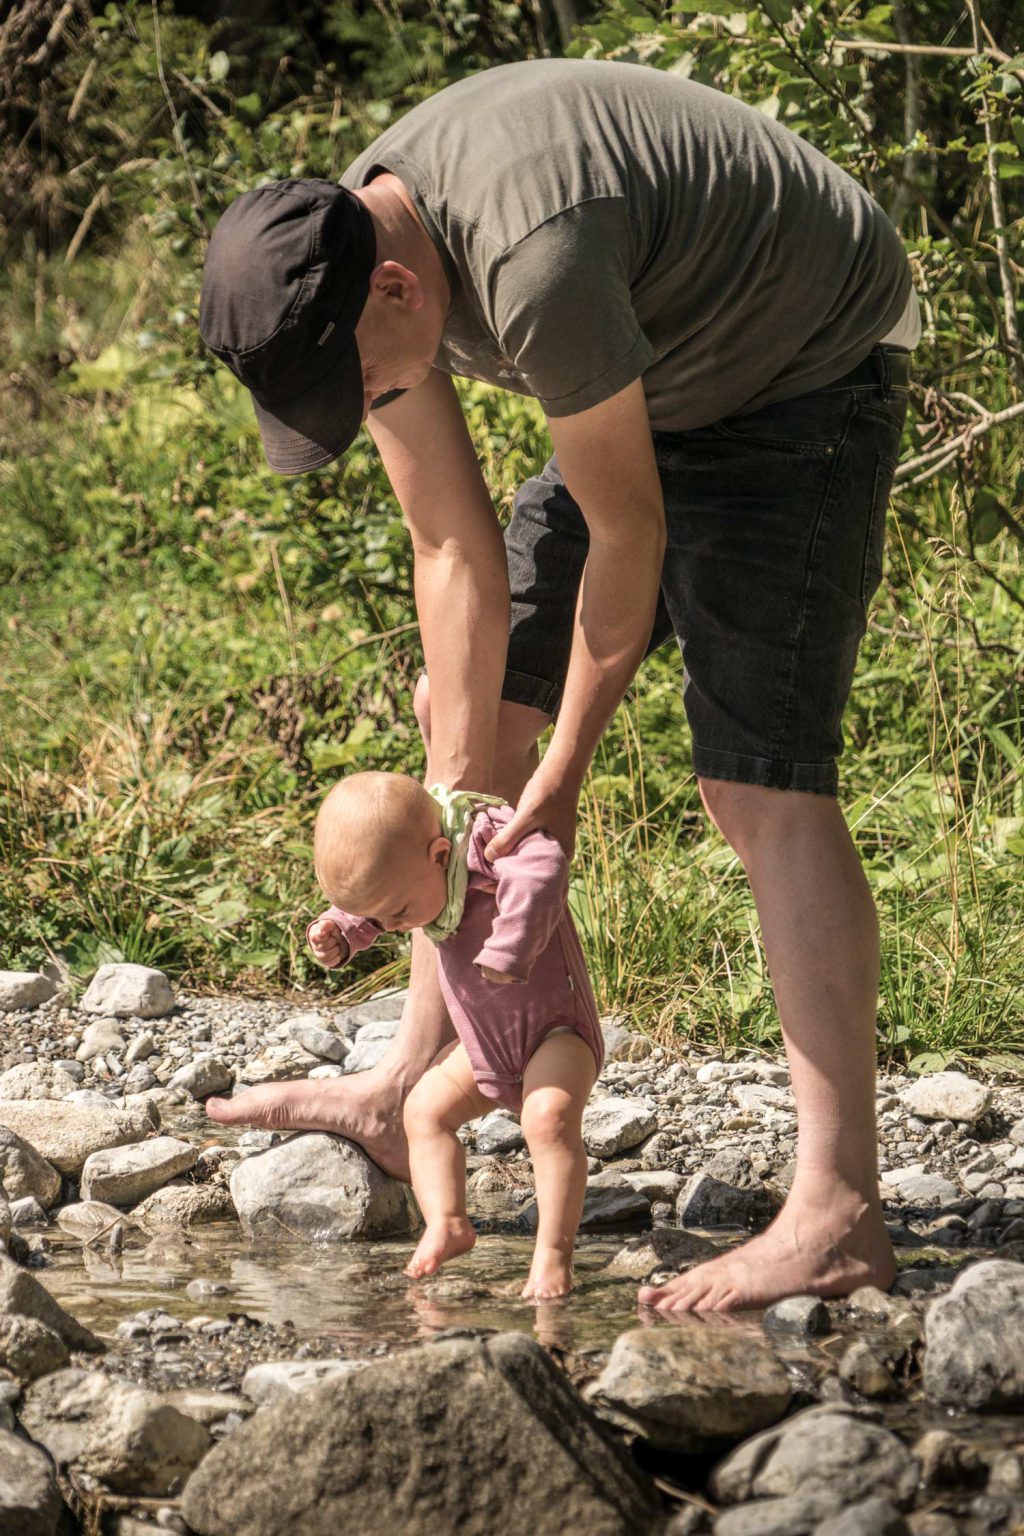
<point x="327" y="943"/>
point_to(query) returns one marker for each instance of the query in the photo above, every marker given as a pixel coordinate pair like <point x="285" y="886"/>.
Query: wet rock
<point x="664" y="1248"/>
<point x="123" y="1176"/>
<point x="28" y="1348"/>
<point x="307" y="1030"/>
<point x="24" y="1173"/>
<point x="613" y="1125"/>
<point x="276" y="1379"/>
<point x="203" y="1077"/>
<point x="28" y="1212"/>
<point x="871" y="1517"/>
<point x="29" y="1502"/>
<point x="622" y="1044"/>
<point x="804" y="1315"/>
<point x="24" y="989"/>
<point x="706" y="1201"/>
<point x="86" y="1219"/>
<point x="129" y="991"/>
<point x="36" y="1080"/>
<point x="108" y="1428"/>
<point x="318" y="1188"/>
<point x="681" y="1386"/>
<point x="822" y="1450"/>
<point x="474" y="1434"/>
<point x="868" y="1301"/>
<point x="947" y="1096"/>
<point x="865" y="1367"/>
<point x="975" y="1340"/>
<point x="65" y="1133"/>
<point x="798" y="1515"/>
<point x="497" y="1133"/>
<point x="22" y="1295"/>
<point x="182" y="1206"/>
<point x="98" y="1039"/>
<point x="948" y="1463"/>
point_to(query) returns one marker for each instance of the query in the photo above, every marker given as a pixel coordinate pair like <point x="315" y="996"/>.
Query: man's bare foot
<point x="441" y="1241"/>
<point x="550" y="1275"/>
<point x="817" y="1247"/>
<point x="366" y="1107"/>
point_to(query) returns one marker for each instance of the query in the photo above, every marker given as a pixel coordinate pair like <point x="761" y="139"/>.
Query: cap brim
<point x="313" y="428"/>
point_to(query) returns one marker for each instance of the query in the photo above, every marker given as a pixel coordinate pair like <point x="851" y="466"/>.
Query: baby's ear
<point x="441" y="851"/>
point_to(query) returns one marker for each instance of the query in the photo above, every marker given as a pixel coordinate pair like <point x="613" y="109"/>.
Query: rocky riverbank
<point x="208" y="1331"/>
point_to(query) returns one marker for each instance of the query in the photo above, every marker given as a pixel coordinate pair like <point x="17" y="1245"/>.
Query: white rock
<point x="276" y="1064"/>
<point x="99" y="1038"/>
<point x="36" y="1080"/>
<point x="365" y="1054"/>
<point x="755" y="1097"/>
<point x="140" y="1048"/>
<point x="318" y="1188"/>
<point x="656" y="1184"/>
<point x="947" y="1096"/>
<point x="284" y="1378"/>
<point x="86" y="1219"/>
<point x="127" y="990"/>
<point x="919" y="1188"/>
<point x="377" y="1029"/>
<point x="24" y="989"/>
<point x="203" y="1077"/>
<point x="612" y="1125"/>
<point x="23" y="1173"/>
<point x="125" y="1175"/>
<point x="65" y="1133"/>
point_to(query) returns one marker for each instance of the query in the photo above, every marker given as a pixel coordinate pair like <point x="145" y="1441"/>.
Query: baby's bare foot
<point x="550" y="1275"/>
<point x="441" y="1241"/>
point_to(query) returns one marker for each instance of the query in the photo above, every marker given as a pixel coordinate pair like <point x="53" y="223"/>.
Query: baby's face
<point x="411" y="890"/>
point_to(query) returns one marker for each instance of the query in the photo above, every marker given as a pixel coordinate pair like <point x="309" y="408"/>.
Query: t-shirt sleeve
<point x="562" y="310"/>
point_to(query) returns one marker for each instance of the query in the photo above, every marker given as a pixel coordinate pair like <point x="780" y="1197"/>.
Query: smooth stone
<point x="797" y="1515"/>
<point x="183" y="1206"/>
<point x="98" y="1039"/>
<point x="65" y="1133"/>
<point x="125" y="1175"/>
<point x="22" y="1295"/>
<point x="865" y="1367"/>
<point x="382" y="1007"/>
<point x="23" y="1173"/>
<point x="607" y="1203"/>
<point x="656" y="1184"/>
<point x="111" y="1429"/>
<point x="974" y="1337"/>
<point x="276" y="1379"/>
<point x="36" y="1080"/>
<point x="140" y="1048"/>
<point x="622" y="1044"/>
<point x="947" y="1096"/>
<point x="319" y="1188"/>
<point x="86" y="1219"/>
<point x="917" y="1188"/>
<point x="129" y="991"/>
<point x="29" y="1349"/>
<point x="825" y="1450"/>
<point x="804" y="1315"/>
<point x="871" y="1517"/>
<point x="28" y="1212"/>
<point x="203" y="1077"/>
<point x="30" y="1504"/>
<point x="468" y="1434"/>
<point x="663" y="1248"/>
<point x="24" y="989"/>
<point x="207" y="1405"/>
<point x="615" y="1124"/>
<point x="307" y="1030"/>
<point x="202" y="1289"/>
<point x="275" y="1064"/>
<point x="366" y="1054"/>
<point x="681" y="1387"/>
<point x="498" y="1133"/>
<point x="755" y="1097"/>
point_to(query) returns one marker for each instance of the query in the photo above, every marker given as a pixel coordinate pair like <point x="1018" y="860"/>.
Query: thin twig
<point x="40" y="57"/>
<point x="936" y="458"/>
<point x="190" y="85"/>
<point x="98" y="200"/>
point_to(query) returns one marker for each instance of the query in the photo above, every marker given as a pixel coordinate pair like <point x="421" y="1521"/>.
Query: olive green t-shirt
<point x="603" y="222"/>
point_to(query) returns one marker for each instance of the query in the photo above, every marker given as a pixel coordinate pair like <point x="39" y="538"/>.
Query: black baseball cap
<point x="286" y="276"/>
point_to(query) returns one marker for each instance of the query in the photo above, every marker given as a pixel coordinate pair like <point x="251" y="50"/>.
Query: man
<point x="716" y="320"/>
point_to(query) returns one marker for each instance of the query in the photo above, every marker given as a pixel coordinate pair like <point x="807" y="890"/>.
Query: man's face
<point x="398" y="333"/>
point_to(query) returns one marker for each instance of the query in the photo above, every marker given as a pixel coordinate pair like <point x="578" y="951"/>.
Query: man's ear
<point x="391" y="281"/>
<point x="440" y="851"/>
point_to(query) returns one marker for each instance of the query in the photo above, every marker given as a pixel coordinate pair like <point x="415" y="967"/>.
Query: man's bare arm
<point x="461" y="575"/>
<point x="606" y="458"/>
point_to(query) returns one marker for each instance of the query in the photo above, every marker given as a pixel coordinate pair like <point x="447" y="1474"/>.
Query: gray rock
<point x="754" y="1098"/>
<point x="29" y="1502"/>
<point x="28" y="1212"/>
<point x="865" y="1367"/>
<point x="681" y="1387"/>
<point x="23" y="1173"/>
<point x="29" y="1349"/>
<point x="108" y="1428"/>
<point x="497" y="1133"/>
<point x="707" y="1201"/>
<point x="664" y="1248"/>
<point x="182" y="1206"/>
<point x="129" y="991"/>
<point x="365" y="1054"/>
<point x="622" y="1044"/>
<point x="24" y="989"/>
<point x="204" y="1076"/>
<point x="947" y="1096"/>
<point x="21" y="1295"/>
<point x="86" y="1219"/>
<point x="804" y="1315"/>
<point x="613" y="1125"/>
<point x="798" y="1515"/>
<point x="140" y="1048"/>
<point x="276" y="1379"/>
<point x="824" y="1450"/>
<point x="321" y="1189"/>
<point x="656" y="1184"/>
<point x="871" y="1517"/>
<point x="36" y="1080"/>
<point x="384" y="1006"/>
<point x="65" y="1133"/>
<point x="99" y="1038"/>
<point x="609" y="1202"/>
<point x="307" y="1030"/>
<point x="377" y="1029"/>
<point x="123" y="1176"/>
<point x="275" y="1064"/>
<point x="918" y="1188"/>
<point x="477" y="1435"/>
<point x="974" y="1356"/>
<point x="932" y="1523"/>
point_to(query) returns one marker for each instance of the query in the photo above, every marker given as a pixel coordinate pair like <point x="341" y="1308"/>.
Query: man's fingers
<point x="507" y="838"/>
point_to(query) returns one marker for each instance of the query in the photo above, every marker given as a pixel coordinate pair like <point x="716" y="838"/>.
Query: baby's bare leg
<point x="445" y="1097"/>
<point x="556" y="1084"/>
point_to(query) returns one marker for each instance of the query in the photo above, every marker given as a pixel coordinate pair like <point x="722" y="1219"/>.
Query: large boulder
<point x="125" y="1175"/>
<point x="36" y="1080"/>
<point x="23" y="1172"/>
<point x="22" y="1295"/>
<point x="129" y="991"/>
<point x="321" y="1189"/>
<point x="24" y="989"/>
<point x="614" y="1124"/>
<point x="182" y="1206"/>
<point x="474" y="1435"/>
<point x="825" y="1450"/>
<point x="947" y="1096"/>
<point x="65" y="1133"/>
<point x="111" y="1429"/>
<point x="681" y="1387"/>
<point x="974" y="1335"/>
<point x="30" y="1504"/>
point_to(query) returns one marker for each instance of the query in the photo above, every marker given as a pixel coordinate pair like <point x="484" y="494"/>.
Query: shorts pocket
<point x="874" y="546"/>
<point x="812" y="425"/>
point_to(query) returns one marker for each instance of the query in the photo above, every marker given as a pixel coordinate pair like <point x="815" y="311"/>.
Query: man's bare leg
<point x="821" y="938"/>
<point x="367" y="1106"/>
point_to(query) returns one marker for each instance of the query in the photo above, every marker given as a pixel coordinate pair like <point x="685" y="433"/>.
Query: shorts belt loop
<point x="883" y="358"/>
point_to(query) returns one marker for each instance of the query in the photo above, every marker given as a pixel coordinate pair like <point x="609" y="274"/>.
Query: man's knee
<point x="752" y="817"/>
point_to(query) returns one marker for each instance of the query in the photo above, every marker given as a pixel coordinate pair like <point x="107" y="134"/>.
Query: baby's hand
<point x="328" y="943"/>
<point x="501" y="977"/>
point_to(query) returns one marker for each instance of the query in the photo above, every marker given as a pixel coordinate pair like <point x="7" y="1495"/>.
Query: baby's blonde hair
<point x="365" y="822"/>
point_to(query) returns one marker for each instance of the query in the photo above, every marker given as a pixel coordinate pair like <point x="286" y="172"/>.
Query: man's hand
<point x="547" y="804"/>
<point x="327" y="942"/>
<point x="500" y="978"/>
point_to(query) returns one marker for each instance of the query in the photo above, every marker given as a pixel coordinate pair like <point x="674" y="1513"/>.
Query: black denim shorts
<point x="776" y="525"/>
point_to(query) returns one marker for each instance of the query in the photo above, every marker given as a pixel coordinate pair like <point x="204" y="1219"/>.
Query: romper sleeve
<point x="358" y="932"/>
<point x="532" y="891"/>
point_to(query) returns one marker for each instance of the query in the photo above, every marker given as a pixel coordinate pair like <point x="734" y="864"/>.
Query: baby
<point x="513" y="978"/>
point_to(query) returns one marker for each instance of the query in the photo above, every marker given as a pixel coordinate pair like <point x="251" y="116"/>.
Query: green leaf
<point x="986" y="515"/>
<point x="930" y="1061"/>
<point x="218" y="65"/>
<point x="780" y="11"/>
